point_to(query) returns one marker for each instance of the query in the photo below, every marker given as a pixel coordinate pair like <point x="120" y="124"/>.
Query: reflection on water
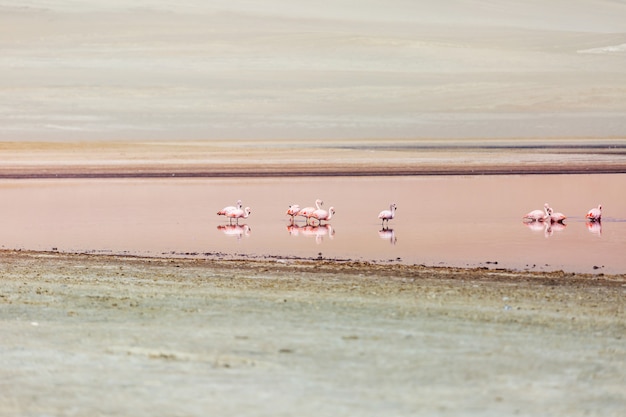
<point x="387" y="234"/>
<point x="476" y="221"/>
<point x="235" y="230"/>
<point x="595" y="228"/>
<point x="318" y="232"/>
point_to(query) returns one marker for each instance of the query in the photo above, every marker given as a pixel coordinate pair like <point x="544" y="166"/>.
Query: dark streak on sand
<point x="320" y="172"/>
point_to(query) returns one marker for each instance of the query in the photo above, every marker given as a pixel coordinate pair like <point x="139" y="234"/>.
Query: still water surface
<point x="441" y="220"/>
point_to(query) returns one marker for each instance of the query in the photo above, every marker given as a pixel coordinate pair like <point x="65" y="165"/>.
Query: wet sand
<point x="108" y="335"/>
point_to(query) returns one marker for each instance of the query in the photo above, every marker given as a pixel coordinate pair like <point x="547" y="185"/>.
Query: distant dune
<point x="302" y="70"/>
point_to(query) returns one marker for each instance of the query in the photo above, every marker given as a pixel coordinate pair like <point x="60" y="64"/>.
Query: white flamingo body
<point x="293" y="210"/>
<point x="595" y="214"/>
<point x="323" y="215"/>
<point x="538" y="215"/>
<point x="535" y="215"/>
<point x="554" y="217"/>
<point x="227" y="209"/>
<point x="387" y="215"/>
<point x="308" y="211"/>
<point x="238" y="214"/>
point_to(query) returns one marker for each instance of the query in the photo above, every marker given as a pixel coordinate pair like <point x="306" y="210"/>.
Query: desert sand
<point x="283" y="69"/>
<point x="98" y="335"/>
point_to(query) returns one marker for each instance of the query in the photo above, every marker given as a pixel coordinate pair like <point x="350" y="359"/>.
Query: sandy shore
<point x="99" y="335"/>
<point x="127" y="159"/>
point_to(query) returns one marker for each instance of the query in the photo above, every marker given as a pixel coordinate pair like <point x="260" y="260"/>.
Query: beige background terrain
<point x="157" y="69"/>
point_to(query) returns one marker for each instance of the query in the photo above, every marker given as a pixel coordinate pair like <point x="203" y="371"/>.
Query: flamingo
<point x="238" y="214"/>
<point x="537" y="215"/>
<point x="308" y="211"/>
<point x="293" y="211"/>
<point x="225" y="210"/>
<point x="554" y="217"/>
<point x="595" y="214"/>
<point x="388" y="214"/>
<point x="323" y="215"/>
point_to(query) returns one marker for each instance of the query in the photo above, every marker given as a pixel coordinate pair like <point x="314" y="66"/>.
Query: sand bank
<point x="119" y="159"/>
<point x="105" y="335"/>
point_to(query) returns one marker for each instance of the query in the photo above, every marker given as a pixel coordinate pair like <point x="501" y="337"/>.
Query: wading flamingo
<point x="387" y="215"/>
<point x="226" y="209"/>
<point x="308" y="211"/>
<point x="555" y="217"/>
<point x="537" y="215"/>
<point x="238" y="214"/>
<point x="595" y="214"/>
<point x="293" y="211"/>
<point x="323" y="215"/>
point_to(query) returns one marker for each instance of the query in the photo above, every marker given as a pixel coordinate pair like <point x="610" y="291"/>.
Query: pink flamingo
<point x="293" y="211"/>
<point x="308" y="211"/>
<point x="555" y="217"/>
<point x="238" y="214"/>
<point x="226" y="209"/>
<point x="323" y="215"/>
<point x="537" y="215"/>
<point x="387" y="215"/>
<point x="595" y="214"/>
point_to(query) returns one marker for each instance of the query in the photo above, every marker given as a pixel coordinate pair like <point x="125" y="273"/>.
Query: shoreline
<point x="328" y="265"/>
<point x="223" y="159"/>
<point x="268" y="172"/>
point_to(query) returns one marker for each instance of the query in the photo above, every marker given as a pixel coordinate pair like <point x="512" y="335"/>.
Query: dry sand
<point x="98" y="335"/>
<point x="281" y="158"/>
<point x="156" y="69"/>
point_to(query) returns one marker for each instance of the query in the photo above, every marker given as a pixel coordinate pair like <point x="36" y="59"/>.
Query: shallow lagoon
<point x="441" y="220"/>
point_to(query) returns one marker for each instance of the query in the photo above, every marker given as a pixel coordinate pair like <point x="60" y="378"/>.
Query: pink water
<point x="442" y="220"/>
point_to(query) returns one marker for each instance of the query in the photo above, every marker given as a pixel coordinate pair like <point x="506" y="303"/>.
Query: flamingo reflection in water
<point x="235" y="230"/>
<point x="595" y="227"/>
<point x="547" y="227"/>
<point x="388" y="234"/>
<point x="318" y="232"/>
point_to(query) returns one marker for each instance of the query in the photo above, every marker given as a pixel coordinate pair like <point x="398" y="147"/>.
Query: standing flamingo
<point x="293" y="211"/>
<point x="388" y="214"/>
<point x="537" y="215"/>
<point x="595" y="214"/>
<point x="308" y="211"/>
<point x="238" y="214"/>
<point x="323" y="215"/>
<point x="225" y="210"/>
